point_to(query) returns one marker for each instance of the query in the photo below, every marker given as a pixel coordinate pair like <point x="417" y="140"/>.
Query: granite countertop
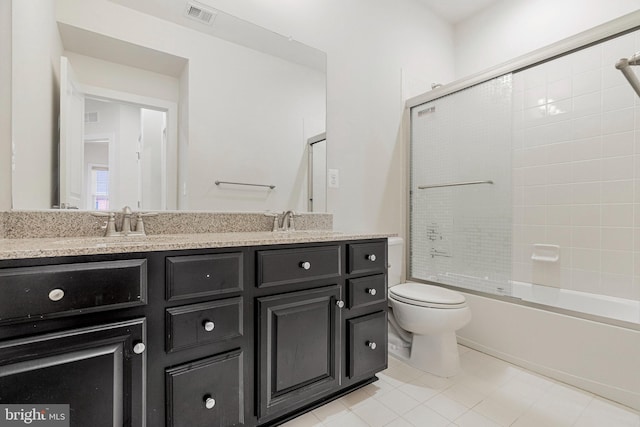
<point x="57" y="247"/>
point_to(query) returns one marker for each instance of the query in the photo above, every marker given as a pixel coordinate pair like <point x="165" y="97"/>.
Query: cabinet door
<point x="96" y="371"/>
<point x="298" y="348"/>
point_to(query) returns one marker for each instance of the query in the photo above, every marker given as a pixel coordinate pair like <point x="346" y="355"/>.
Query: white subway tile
<point x="617" y="285"/>
<point x="559" y="68"/>
<point x="617" y="238"/>
<point x="587" y="82"/>
<point x="559" y="153"/>
<point x="585" y="193"/>
<point x="535" y="215"/>
<point x="618" y="192"/>
<point x="617" y="98"/>
<point x="587" y="105"/>
<point x="636" y="246"/>
<point x="587" y="127"/>
<point x="618" y="144"/>
<point x="559" y="194"/>
<point x="617" y="168"/>
<point x="559" y="215"/>
<point x="559" y="235"/>
<point x="617" y="262"/>
<point x="585" y="237"/>
<point x="586" y="149"/>
<point x="617" y="121"/>
<point x="535" y="156"/>
<point x="559" y="90"/>
<point x="617" y="48"/>
<point x="534" y="77"/>
<point x="586" y="171"/>
<point x="558" y="174"/>
<point x="535" y="96"/>
<point x="585" y="281"/>
<point x="585" y="215"/>
<point x="535" y="195"/>
<point x="535" y="175"/>
<point x="619" y="215"/>
<point x="585" y="259"/>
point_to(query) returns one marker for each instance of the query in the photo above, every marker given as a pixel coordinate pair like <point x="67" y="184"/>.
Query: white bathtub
<point x="594" y="356"/>
<point x="597" y="305"/>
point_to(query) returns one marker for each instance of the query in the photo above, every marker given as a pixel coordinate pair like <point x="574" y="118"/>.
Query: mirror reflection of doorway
<point x="124" y="148"/>
<point x="317" y="173"/>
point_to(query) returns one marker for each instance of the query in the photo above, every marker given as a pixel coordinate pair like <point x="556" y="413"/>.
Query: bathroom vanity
<point x="218" y="330"/>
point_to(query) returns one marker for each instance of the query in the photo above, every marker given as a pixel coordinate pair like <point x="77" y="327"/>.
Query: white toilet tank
<point x="395" y="254"/>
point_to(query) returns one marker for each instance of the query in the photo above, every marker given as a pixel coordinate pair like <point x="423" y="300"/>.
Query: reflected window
<point x="100" y="188"/>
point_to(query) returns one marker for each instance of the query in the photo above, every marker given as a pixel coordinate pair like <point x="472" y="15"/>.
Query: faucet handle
<point x="110" y="225"/>
<point x="275" y="220"/>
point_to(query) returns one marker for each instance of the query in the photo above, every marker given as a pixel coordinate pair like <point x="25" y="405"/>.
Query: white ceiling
<point x="455" y="11"/>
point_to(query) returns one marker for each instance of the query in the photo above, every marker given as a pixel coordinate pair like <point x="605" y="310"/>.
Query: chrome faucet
<point x="111" y="229"/>
<point x="285" y="224"/>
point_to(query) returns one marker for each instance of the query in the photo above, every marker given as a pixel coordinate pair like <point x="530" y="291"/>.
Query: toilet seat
<point x="427" y="296"/>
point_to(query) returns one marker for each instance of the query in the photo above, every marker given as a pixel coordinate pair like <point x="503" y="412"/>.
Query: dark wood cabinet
<point x="206" y="393"/>
<point x="243" y="336"/>
<point x="298" y="348"/>
<point x="98" y="371"/>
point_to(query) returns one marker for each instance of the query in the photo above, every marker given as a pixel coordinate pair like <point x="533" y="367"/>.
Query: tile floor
<point x="488" y="393"/>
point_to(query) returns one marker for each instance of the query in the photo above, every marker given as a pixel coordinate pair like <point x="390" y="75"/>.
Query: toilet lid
<point x="427" y="295"/>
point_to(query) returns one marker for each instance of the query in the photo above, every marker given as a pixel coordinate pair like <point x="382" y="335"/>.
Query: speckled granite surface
<point x="55" y="247"/>
<point x="38" y="234"/>
<point x="70" y="223"/>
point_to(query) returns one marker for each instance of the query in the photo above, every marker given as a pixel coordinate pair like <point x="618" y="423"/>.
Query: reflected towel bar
<point x="244" y="183"/>
<point x="453" y="184"/>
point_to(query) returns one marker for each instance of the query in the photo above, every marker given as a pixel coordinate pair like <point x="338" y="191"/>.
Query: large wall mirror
<point x="160" y="104"/>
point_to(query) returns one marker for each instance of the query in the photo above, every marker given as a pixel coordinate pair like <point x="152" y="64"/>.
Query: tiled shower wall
<point x="576" y="177"/>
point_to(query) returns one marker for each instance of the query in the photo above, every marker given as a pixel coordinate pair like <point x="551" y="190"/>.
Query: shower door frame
<point x="625" y="24"/>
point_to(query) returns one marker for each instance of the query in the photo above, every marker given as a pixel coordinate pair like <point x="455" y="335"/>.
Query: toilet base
<point x="436" y="354"/>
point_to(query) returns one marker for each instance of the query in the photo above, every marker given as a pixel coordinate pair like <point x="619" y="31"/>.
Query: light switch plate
<point x="333" y="176"/>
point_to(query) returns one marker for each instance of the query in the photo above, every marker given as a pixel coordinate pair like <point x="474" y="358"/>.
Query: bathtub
<point x="597" y="305"/>
<point x="598" y="357"/>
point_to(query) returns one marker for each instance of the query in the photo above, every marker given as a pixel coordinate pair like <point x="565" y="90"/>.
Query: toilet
<point x="423" y="320"/>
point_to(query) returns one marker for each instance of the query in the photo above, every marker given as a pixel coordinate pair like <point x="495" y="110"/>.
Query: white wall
<point x="511" y="28"/>
<point x="35" y="102"/>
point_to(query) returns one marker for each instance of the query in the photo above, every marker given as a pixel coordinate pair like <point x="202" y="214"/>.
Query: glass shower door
<point x="461" y="211"/>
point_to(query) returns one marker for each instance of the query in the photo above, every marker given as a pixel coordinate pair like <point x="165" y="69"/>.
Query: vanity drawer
<point x="367" y="257"/>
<point x="283" y="266"/>
<point x="367" y="337"/>
<point x="206" y="323"/>
<point x="193" y="276"/>
<point x="207" y="393"/>
<point x="366" y="290"/>
<point x="65" y="289"/>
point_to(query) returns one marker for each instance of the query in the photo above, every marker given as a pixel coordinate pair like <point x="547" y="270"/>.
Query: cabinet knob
<point x="306" y="265"/>
<point x="208" y="325"/>
<point x="209" y="402"/>
<point x="371" y="345"/>
<point x="372" y="257"/>
<point x="56" y="294"/>
<point x="340" y="303"/>
<point x="139" y="348"/>
<point x="371" y="291"/>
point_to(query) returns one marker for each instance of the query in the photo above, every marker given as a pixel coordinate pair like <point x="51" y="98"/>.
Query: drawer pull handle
<point x="56" y="294"/>
<point x="372" y="257"/>
<point x="371" y="291"/>
<point x="306" y="265"/>
<point x="139" y="348"/>
<point x="209" y="402"/>
<point x="208" y="325"/>
<point x="371" y="345"/>
<point x="340" y="303"/>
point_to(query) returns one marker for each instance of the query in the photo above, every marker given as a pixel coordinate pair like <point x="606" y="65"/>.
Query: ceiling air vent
<point x="200" y="13"/>
<point x="91" y="117"/>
